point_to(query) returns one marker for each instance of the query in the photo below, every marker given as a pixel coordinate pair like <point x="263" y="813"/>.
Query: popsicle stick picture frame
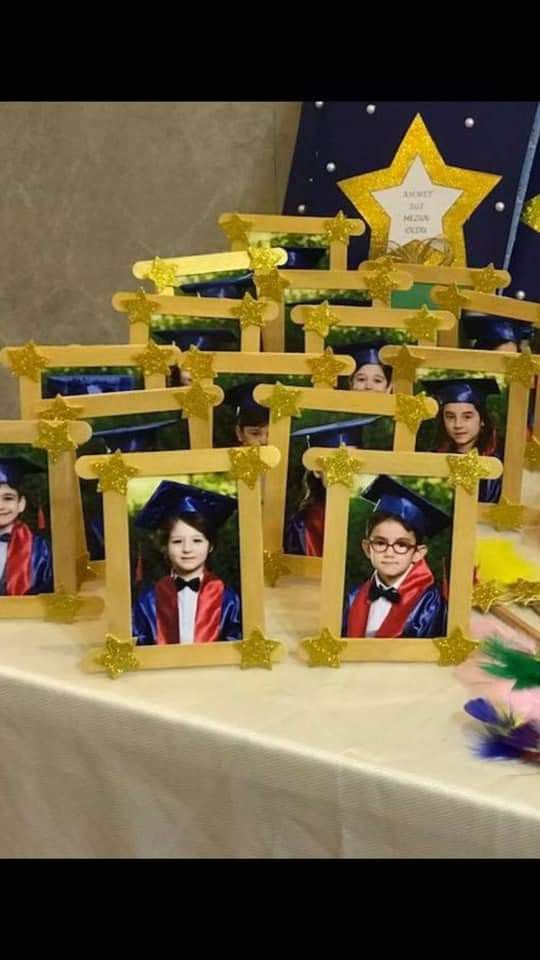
<point x="169" y="272"/>
<point x="286" y="402"/>
<point x="517" y="369"/>
<point x="149" y="628"/>
<point x="39" y="576"/>
<point x="438" y="628"/>
<point x="460" y="298"/>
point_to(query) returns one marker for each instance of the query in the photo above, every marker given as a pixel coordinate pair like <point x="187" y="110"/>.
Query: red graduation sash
<point x="18" y="572"/>
<point x="314" y="529"/>
<point x="416" y="582"/>
<point x="207" y="617"/>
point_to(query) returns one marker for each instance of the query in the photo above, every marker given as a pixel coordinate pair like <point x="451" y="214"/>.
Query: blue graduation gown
<point x="145" y="616"/>
<point x="41" y="574"/>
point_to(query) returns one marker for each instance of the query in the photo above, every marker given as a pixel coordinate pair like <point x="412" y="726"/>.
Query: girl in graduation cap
<point x="400" y="599"/>
<point x="464" y="423"/>
<point x="369" y="374"/>
<point x="496" y="333"/>
<point x="204" y="338"/>
<point x="25" y="557"/>
<point x="190" y="604"/>
<point x="252" y="419"/>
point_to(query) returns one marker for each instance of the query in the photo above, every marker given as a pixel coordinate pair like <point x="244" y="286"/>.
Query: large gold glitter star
<point x="486" y="594"/>
<point x="118" y="656"/>
<point x="263" y="260"/>
<point x="247" y="465"/>
<point x="418" y="143"/>
<point x="270" y="285"/>
<point x="113" y="473"/>
<point x="532" y="454"/>
<point x="139" y="308"/>
<point x="256" y="651"/>
<point x="53" y="436"/>
<point x="26" y="361"/>
<point x="324" y="650"/>
<point x="338" y="229"/>
<point x="199" y="363"/>
<point x="195" y="401"/>
<point x="405" y="364"/>
<point x="380" y="285"/>
<point x="60" y="410"/>
<point x="485" y="281"/>
<point x="455" y="648"/>
<point x="237" y="230"/>
<point x="154" y="359"/>
<point x="340" y="467"/>
<point x="319" y="319"/>
<point x="326" y="368"/>
<point x="162" y="274"/>
<point x="411" y="410"/>
<point x="274" y="567"/>
<point x="250" y="312"/>
<point x="422" y="325"/>
<point x="522" y="368"/>
<point x="465" y="470"/>
<point x="62" y="607"/>
<point x="283" y="402"/>
<point x="530" y="215"/>
<point x="505" y="515"/>
<point x="450" y="298"/>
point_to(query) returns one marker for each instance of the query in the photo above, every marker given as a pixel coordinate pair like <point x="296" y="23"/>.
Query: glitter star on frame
<point x="60" y="410"/>
<point x="523" y="368"/>
<point x="199" y="363"/>
<point x="532" y="454"/>
<point x="195" y="401"/>
<point x="114" y="473"/>
<point x="324" y="650"/>
<point x="340" y="467"/>
<point x="262" y="260"/>
<point x="380" y="285"/>
<point x="451" y="298"/>
<point x="405" y="365"/>
<point x="326" y="368"/>
<point x="26" y="361"/>
<point x="485" y="281"/>
<point x="250" y="313"/>
<point x="247" y="465"/>
<point x="162" y="274"/>
<point x="454" y="649"/>
<point x="283" y="402"/>
<point x="139" y="308"/>
<point x="465" y="470"/>
<point x="486" y="594"/>
<point x="506" y="515"/>
<point x="274" y="567"/>
<point x="411" y="410"/>
<point x="237" y="230"/>
<point x="118" y="656"/>
<point x="530" y="215"/>
<point x="256" y="651"/>
<point x="525" y="592"/>
<point x="53" y="436"/>
<point x="270" y="285"/>
<point x="422" y="325"/>
<point x="338" y="229"/>
<point x="61" y="606"/>
<point x="320" y="319"/>
<point x="154" y="359"/>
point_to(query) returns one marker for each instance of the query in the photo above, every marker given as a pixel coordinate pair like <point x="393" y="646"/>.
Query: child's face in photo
<point x="252" y="436"/>
<point x="11" y="506"/>
<point x="462" y="423"/>
<point x="370" y="376"/>
<point x="391" y="549"/>
<point x="509" y="347"/>
<point x="187" y="549"/>
<point x="185" y="378"/>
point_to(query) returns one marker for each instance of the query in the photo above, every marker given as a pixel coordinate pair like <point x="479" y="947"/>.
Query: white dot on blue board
<point x="301" y="208"/>
<point x="499" y="206"/>
<point x="371" y="108"/>
<point x="330" y="167"/>
<point x="469" y="122"/>
<point x="520" y="294"/>
<point x="319" y="104"/>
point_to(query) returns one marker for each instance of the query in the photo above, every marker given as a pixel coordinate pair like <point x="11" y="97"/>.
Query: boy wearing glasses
<point x="400" y="599"/>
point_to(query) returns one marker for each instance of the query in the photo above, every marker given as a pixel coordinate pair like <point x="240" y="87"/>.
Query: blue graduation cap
<point x="204" y="338"/>
<point x="474" y="390"/>
<point x="172" y="498"/>
<point x="133" y="439"/>
<point x="232" y="287"/>
<point x="334" y="434"/>
<point x="490" y="331"/>
<point x="248" y="412"/>
<point x="362" y="352"/>
<point x="13" y="469"/>
<point x="389" y="496"/>
<point x="303" y="258"/>
<point x="70" y="384"/>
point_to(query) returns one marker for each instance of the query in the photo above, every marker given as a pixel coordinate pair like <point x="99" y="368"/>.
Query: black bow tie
<point x="389" y="593"/>
<point x="192" y="584"/>
<point x="5" y="537"/>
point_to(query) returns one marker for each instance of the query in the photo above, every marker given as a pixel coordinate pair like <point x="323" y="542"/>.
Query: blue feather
<point x="482" y="710"/>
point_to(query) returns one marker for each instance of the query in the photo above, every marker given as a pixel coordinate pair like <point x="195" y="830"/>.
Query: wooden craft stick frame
<point x="62" y="486"/>
<point x="118" y="580"/>
<point x="359" y="317"/>
<point x="354" y="402"/>
<point x="335" y="551"/>
<point x="200" y="263"/>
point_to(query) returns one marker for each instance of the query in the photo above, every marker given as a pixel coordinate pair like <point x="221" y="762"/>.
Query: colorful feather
<point x="511" y="664"/>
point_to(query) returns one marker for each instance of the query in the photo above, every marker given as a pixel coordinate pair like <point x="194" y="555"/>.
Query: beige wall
<point x="88" y="188"/>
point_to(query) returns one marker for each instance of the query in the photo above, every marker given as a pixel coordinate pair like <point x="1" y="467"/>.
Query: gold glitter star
<point x="530" y="215"/>
<point x="524" y="592"/>
<point x="250" y="312"/>
<point x="418" y="143"/>
<point x="405" y="364"/>
<point x="247" y="465"/>
<point x="340" y="467"/>
<point x="326" y="368"/>
<point x="53" y="436"/>
<point x="532" y="454"/>
<point x="195" y="401"/>
<point x="154" y="359"/>
<point x="338" y="229"/>
<point x="486" y="594"/>
<point x="465" y="470"/>
<point x="199" y="363"/>
<point x="113" y="473"/>
<point x="505" y="515"/>
<point x="139" y="308"/>
<point x="270" y="285"/>
<point x="26" y="361"/>
<point x="319" y="319"/>
<point x="237" y="230"/>
<point x="118" y="656"/>
<point x="522" y="368"/>
<point x="486" y="281"/>
<point x="262" y="260"/>
<point x="274" y="567"/>
<point x="422" y="325"/>
<point x="283" y="402"/>
<point x="162" y="274"/>
<point x="324" y="650"/>
<point x="455" y="648"/>
<point x="380" y="285"/>
<point x="257" y="650"/>
<point x="62" y="607"/>
<point x="60" y="410"/>
<point x="450" y="299"/>
<point x="411" y="410"/>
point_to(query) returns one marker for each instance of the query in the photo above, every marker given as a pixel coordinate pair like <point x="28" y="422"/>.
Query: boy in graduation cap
<point x="400" y="599"/>
<point x="73" y="384"/>
<point x="204" y="338"/>
<point x="190" y="604"/>
<point x="369" y="374"/>
<point x="496" y="333"/>
<point x="464" y="423"/>
<point x="25" y="557"/>
<point x="252" y="419"/>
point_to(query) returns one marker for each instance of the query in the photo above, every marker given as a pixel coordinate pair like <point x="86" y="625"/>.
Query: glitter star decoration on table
<point x="53" y="436"/>
<point x="505" y="515"/>
<point x="162" y="274"/>
<point x="247" y="465"/>
<point x="139" y="308"/>
<point x="118" y="656"/>
<point x="405" y="364"/>
<point x="60" y="410"/>
<point x="256" y="651"/>
<point x="525" y="592"/>
<point x="485" y="280"/>
<point x="380" y="285"/>
<point x="199" y="363"/>
<point x="422" y="325"/>
<point x="320" y="319"/>
<point x="339" y="228"/>
<point x="113" y="473"/>
<point x="523" y="368"/>
<point x="262" y="260"/>
<point x="154" y="359"/>
<point x="455" y="648"/>
<point x="532" y="454"/>
<point x="326" y="368"/>
<point x="195" y="401"/>
<point x="324" y="650"/>
<point x="451" y="298"/>
<point x="270" y="285"/>
<point x="411" y="410"/>
<point x="237" y="230"/>
<point x="274" y="567"/>
<point x="465" y="470"/>
<point x="283" y="402"/>
<point x="250" y="313"/>
<point x="340" y="467"/>
<point x="61" y="606"/>
<point x="530" y="215"/>
<point x="26" y="361"/>
<point x="486" y="594"/>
